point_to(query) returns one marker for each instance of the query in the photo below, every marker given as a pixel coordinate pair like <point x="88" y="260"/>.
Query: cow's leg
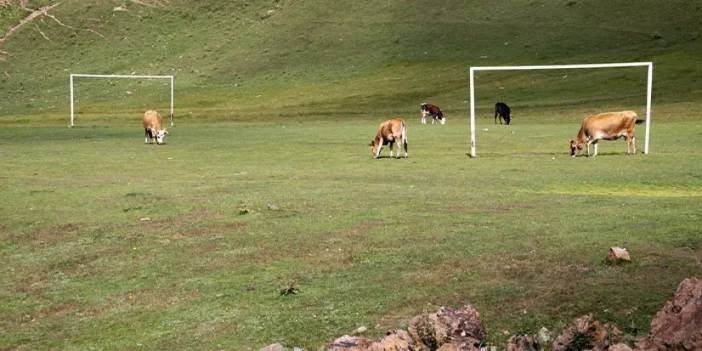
<point x="404" y="144"/>
<point x="633" y="145"/>
<point x="595" y="145"/>
<point x="588" y="148"/>
<point x="146" y="136"/>
<point x="495" y="116"/>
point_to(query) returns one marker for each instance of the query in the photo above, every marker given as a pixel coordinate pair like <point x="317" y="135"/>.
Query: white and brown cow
<point x="606" y="126"/>
<point x="152" y="127"/>
<point x="391" y="132"/>
<point x="433" y="111"/>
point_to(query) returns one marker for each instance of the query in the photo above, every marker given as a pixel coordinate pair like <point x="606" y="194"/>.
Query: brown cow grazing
<point x="390" y="132"/>
<point x="434" y="111"/>
<point x="152" y="127"/>
<point x="606" y="126"/>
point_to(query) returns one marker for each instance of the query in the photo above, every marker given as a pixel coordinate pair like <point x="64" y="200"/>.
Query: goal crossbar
<point x="117" y="76"/>
<point x="474" y="69"/>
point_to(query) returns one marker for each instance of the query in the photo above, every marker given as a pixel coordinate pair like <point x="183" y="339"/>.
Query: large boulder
<point x="462" y="327"/>
<point x="678" y="325"/>
<point x="586" y="333"/>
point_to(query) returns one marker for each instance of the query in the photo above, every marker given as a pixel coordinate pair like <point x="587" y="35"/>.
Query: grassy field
<point x="521" y="231"/>
<point x="267" y="182"/>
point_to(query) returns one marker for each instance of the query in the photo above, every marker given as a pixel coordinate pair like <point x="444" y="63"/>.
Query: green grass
<point x="275" y="104"/>
<point x="521" y="231"/>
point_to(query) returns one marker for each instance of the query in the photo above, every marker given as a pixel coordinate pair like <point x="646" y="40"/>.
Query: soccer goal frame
<point x="73" y="76"/>
<point x="474" y="69"/>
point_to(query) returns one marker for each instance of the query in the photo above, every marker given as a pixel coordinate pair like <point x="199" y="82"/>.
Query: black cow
<point x="502" y="111"/>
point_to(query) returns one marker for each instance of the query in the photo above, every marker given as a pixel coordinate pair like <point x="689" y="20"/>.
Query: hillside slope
<point x="319" y="57"/>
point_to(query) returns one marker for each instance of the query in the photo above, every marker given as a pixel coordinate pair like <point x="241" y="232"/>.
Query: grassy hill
<point x="302" y="58"/>
<point x="266" y="181"/>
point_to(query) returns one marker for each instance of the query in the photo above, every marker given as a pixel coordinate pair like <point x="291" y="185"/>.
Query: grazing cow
<point x="390" y="132"/>
<point x="434" y="111"/>
<point x="152" y="127"/>
<point x="502" y="111"/>
<point x="606" y="126"/>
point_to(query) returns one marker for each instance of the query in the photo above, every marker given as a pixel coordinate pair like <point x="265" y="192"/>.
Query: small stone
<point x="620" y="347"/>
<point x="618" y="254"/>
<point x="274" y="347"/>
<point x="543" y="336"/>
<point x="360" y="330"/>
<point x="144" y="219"/>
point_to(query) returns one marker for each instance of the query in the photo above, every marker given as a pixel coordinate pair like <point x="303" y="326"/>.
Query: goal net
<point x="119" y="94"/>
<point x="563" y="68"/>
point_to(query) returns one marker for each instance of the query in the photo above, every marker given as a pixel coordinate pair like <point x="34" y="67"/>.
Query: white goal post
<point x="119" y="76"/>
<point x="544" y="67"/>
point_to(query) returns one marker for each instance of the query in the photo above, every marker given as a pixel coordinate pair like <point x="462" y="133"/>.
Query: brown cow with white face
<point x="152" y="127"/>
<point x="606" y="126"/>
<point x="433" y="111"/>
<point x="390" y="132"/>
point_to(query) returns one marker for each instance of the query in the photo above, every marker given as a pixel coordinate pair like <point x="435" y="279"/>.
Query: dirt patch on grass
<point x="490" y="208"/>
<point x="57" y="310"/>
<point x="145" y="298"/>
<point x="47" y="236"/>
<point x="211" y="229"/>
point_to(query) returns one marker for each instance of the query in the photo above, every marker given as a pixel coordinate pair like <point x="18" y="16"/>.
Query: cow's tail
<point x="404" y="137"/>
<point x="639" y="121"/>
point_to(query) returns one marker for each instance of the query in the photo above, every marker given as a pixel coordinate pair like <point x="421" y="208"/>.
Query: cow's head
<point x="575" y="147"/>
<point x="375" y="146"/>
<point x="423" y="107"/>
<point x="161" y="135"/>
<point x="442" y="120"/>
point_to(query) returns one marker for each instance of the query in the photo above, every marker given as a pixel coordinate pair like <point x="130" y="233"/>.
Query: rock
<point x="543" y="336"/>
<point x="349" y="343"/>
<point x="274" y="347"/>
<point x="273" y="207"/>
<point x="678" y="325"/>
<point x="144" y="219"/>
<point x="360" y="330"/>
<point x="618" y="254"/>
<point x="522" y="343"/>
<point x="586" y="333"/>
<point x="620" y="347"/>
<point x="395" y="340"/>
<point x="459" y="346"/>
<point x="461" y="327"/>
